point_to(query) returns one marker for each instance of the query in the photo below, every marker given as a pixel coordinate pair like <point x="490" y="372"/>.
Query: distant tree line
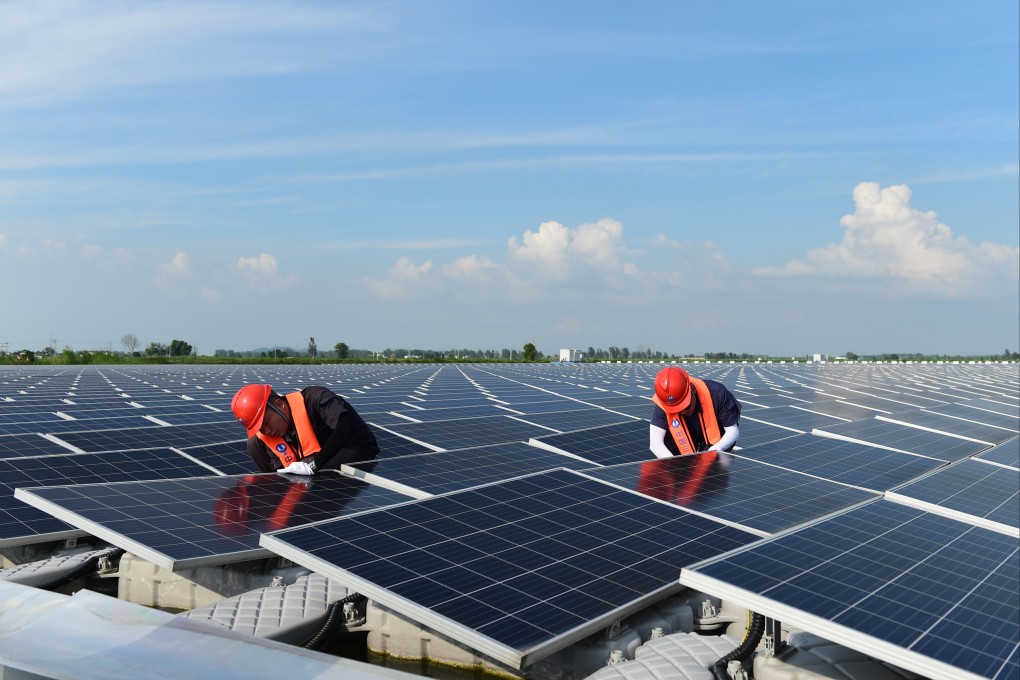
<point x="182" y="351"/>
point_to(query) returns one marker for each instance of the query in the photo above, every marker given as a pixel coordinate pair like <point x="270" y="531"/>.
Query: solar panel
<point x="581" y="419"/>
<point x="924" y="592"/>
<point x="230" y="458"/>
<point x="985" y="434"/>
<point x="183" y="523"/>
<point x="150" y="437"/>
<point x="392" y="445"/>
<point x="1004" y="454"/>
<point x="606" y="445"/>
<point x="903" y="438"/>
<point x="436" y="473"/>
<point x="969" y="489"/>
<point x="868" y="467"/>
<point x="754" y="432"/>
<point x="516" y="569"/>
<point x="21" y="524"/>
<point x="458" y="434"/>
<point x="758" y="497"/>
<point x="980" y="415"/>
<point x="795" y="418"/>
<point x="18" y="445"/>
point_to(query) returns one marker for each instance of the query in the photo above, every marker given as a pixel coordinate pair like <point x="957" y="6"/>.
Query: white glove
<point x="298" y="468"/>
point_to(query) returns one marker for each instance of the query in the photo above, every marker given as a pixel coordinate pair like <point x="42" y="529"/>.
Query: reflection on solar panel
<point x="435" y="473"/>
<point x="150" y="437"/>
<point x="458" y="434"/>
<point x="758" y="497"/>
<point x="902" y="438"/>
<point x="924" y="592"/>
<point x="1004" y="454"/>
<point x="868" y="467"/>
<point x="517" y="569"/>
<point x="970" y="488"/>
<point x="21" y="525"/>
<point x="606" y="445"/>
<point x="209" y="520"/>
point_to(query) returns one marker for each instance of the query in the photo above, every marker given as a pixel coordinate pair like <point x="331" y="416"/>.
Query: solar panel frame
<point x="971" y="491"/>
<point x="434" y="473"/>
<point x="488" y="566"/>
<point x="172" y="523"/>
<point x="899" y="437"/>
<point x="1007" y="453"/>
<point x="846" y="579"/>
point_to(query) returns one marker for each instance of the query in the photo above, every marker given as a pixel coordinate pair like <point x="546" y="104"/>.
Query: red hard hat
<point x="249" y="406"/>
<point x="673" y="387"/>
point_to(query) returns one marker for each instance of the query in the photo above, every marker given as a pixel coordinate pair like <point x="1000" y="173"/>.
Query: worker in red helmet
<point x="691" y="415"/>
<point x="302" y="432"/>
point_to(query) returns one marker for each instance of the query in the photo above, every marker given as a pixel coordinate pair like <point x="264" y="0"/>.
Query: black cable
<point x="82" y="568"/>
<point x="335" y="612"/>
<point x="755" y="629"/>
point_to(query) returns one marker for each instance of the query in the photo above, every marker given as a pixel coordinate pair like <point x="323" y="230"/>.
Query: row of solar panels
<point x="410" y="554"/>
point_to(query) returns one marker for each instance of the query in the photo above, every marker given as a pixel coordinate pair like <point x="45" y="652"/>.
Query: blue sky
<point x="780" y="178"/>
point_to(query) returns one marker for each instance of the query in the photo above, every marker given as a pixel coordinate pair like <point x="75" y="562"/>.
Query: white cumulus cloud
<point x="555" y="249"/>
<point x="178" y="265"/>
<point x="261" y="264"/>
<point x="887" y="238"/>
<point x="402" y="279"/>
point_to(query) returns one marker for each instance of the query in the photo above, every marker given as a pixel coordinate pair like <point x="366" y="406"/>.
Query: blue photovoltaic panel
<point x="183" y="523"/>
<point x="1004" y="454"/>
<point x="927" y="593"/>
<point x="905" y="438"/>
<point x="988" y="416"/>
<point x="515" y="568"/>
<point x="754" y="432"/>
<point x="760" y="497"/>
<point x="230" y="458"/>
<point x="21" y="524"/>
<point x="155" y="436"/>
<point x="19" y="445"/>
<point x="795" y="418"/>
<point x="973" y="488"/>
<point x="846" y="462"/>
<point x="392" y="445"/>
<point x="580" y="419"/>
<point x="607" y="445"/>
<point x="955" y="426"/>
<point x="436" y="473"/>
<point x="839" y="409"/>
<point x="197" y="417"/>
<point x="458" y="434"/>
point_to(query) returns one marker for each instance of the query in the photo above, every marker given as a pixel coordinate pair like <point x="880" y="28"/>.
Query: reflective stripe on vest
<point x="307" y="441"/>
<point x="706" y="415"/>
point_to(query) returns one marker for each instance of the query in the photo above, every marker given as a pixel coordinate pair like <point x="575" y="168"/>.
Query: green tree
<point x="530" y="352"/>
<point x="313" y="349"/>
<point x="851" y="356"/>
<point x="179" y="348"/>
<point x="156" y="349"/>
<point x="342" y="350"/>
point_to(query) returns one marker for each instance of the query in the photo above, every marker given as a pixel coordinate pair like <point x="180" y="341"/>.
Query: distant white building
<point x="571" y="355"/>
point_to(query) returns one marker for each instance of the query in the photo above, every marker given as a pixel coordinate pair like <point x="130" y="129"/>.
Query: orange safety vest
<point x="308" y="444"/>
<point x="706" y="414"/>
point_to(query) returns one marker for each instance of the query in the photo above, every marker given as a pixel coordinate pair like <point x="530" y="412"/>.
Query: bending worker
<point x="691" y="415"/>
<point x="314" y="429"/>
